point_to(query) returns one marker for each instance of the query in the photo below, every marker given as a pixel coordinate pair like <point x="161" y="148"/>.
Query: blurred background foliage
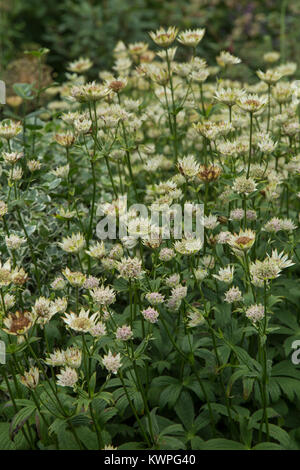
<point x="73" y="28"/>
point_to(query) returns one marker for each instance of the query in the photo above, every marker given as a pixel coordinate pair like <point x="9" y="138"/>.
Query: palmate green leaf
<point x="170" y="443"/>
<point x="57" y="425"/>
<point x="21" y="418"/>
<point x="79" y="420"/>
<point x="279" y="435"/>
<point x="289" y="386"/>
<point x="268" y="446"/>
<point x="258" y="415"/>
<point x="244" y="358"/>
<point x="88" y="437"/>
<point x="184" y="408"/>
<point x="134" y="395"/>
<point x="173" y="430"/>
<point x="132" y="446"/>
<point x="170" y="395"/>
<point x="5" y="441"/>
<point x="285" y="368"/>
<point x="222" y="444"/>
<point x="66" y="440"/>
<point x="202" y="420"/>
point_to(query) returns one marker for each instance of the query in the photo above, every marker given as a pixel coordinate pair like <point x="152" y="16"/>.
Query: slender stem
<point x="250" y="144"/>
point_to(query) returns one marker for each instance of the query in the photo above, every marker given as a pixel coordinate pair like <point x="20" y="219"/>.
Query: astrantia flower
<point x="242" y="241"/>
<point x="200" y="274"/>
<point x="200" y="76"/>
<point x="12" y="157"/>
<point x="178" y="293"/>
<point x="233" y="295"/>
<point x="166" y="254"/>
<point x="228" y="96"/>
<point x="290" y="128"/>
<point x="91" y="282"/>
<point x="117" y="84"/>
<point x="255" y="313"/>
<point x="73" y="357"/>
<point x="81" y="65"/>
<point x="225" y="274"/>
<point x="76" y="279"/>
<point x="98" y="330"/>
<point x="264" y="270"/>
<point x="150" y="314"/>
<point x="3" y="209"/>
<point x="103" y="295"/>
<point x="16" y="173"/>
<point x="208" y="261"/>
<point x="211" y="222"/>
<point x="30" y="378"/>
<point x="60" y="304"/>
<point x="188" y="166"/>
<point x="18" y="276"/>
<point x="287" y="69"/>
<point x="82" y="125"/>
<point x="236" y="214"/>
<point x="58" y="284"/>
<point x="65" y="140"/>
<point x="130" y="268"/>
<point x="282" y="92"/>
<point x="97" y="250"/>
<point x="209" y="173"/>
<point x="72" y="244"/>
<point x="173" y="280"/>
<point x="281" y="259"/>
<point x="81" y="322"/>
<point x="191" y="37"/>
<point x="124" y="333"/>
<point x="139" y="227"/>
<point x="14" y="242"/>
<point x="223" y="237"/>
<point x="271" y="76"/>
<point x="116" y="251"/>
<point x="288" y="225"/>
<point x="56" y="359"/>
<point x="265" y="143"/>
<point x="62" y="171"/>
<point x="10" y="129"/>
<point x="9" y="301"/>
<point x="89" y="92"/>
<point x="154" y="239"/>
<point x="188" y="246"/>
<point x="207" y="129"/>
<point x="252" y="102"/>
<point x="164" y="38"/>
<point x="68" y="377"/>
<point x="5" y="273"/>
<point x="155" y="298"/>
<point x="195" y="318"/>
<point x="273" y="225"/>
<point x="33" y="165"/>
<point x="17" y="323"/>
<point x="225" y="58"/>
<point x="112" y="362"/>
<point x="271" y="57"/>
<point x="137" y="48"/>
<point x="43" y="310"/>
<point x="244" y="185"/>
